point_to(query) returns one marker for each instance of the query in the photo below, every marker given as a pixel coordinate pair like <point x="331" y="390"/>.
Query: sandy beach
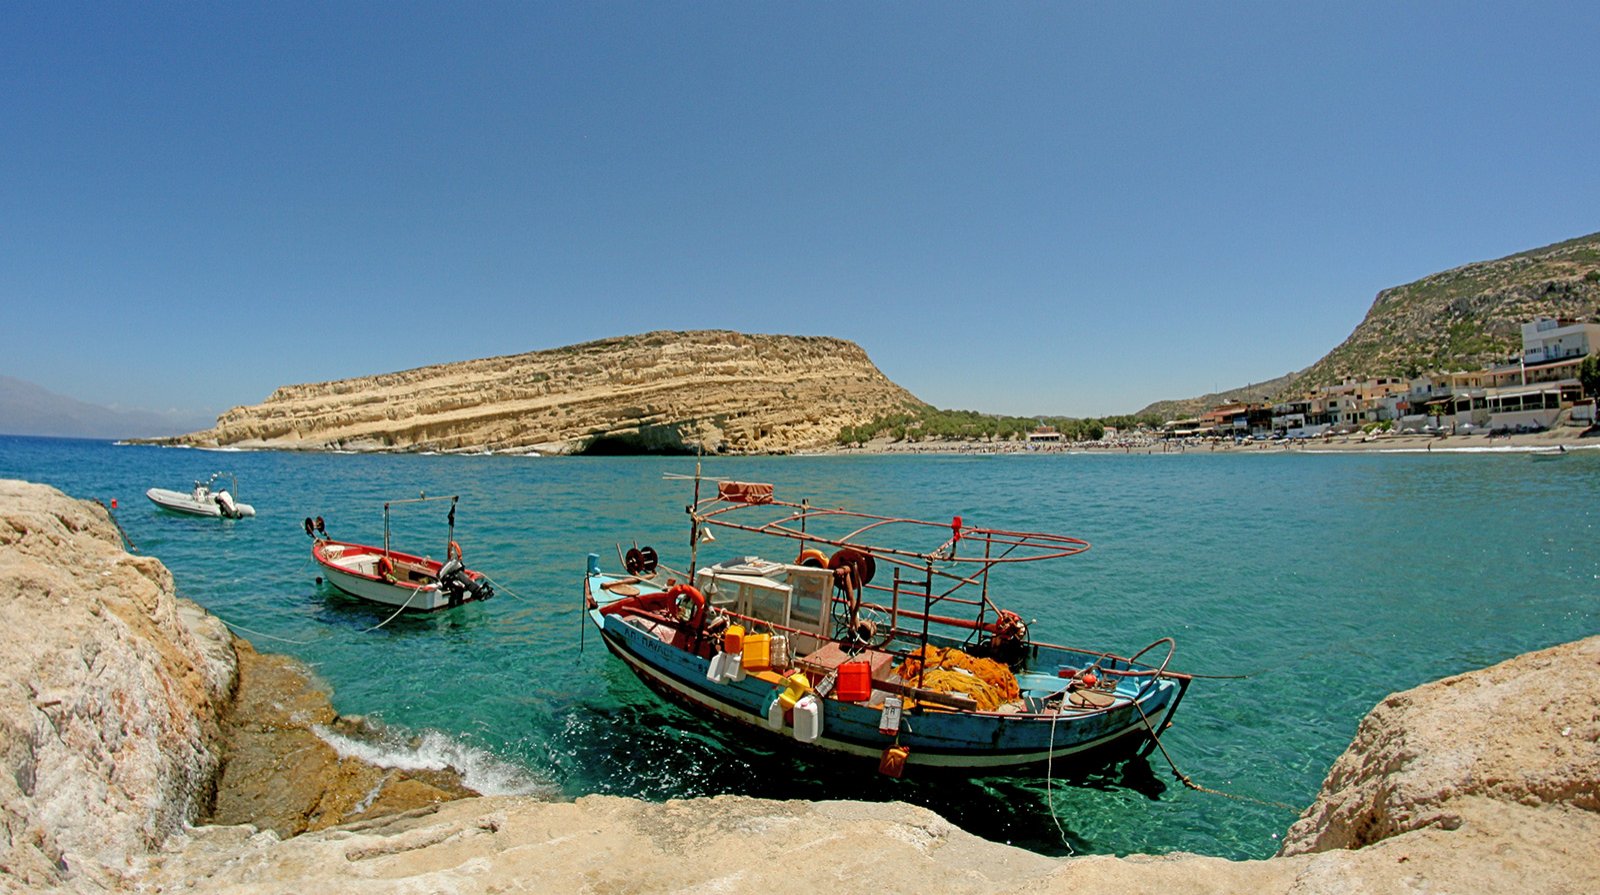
<point x="1570" y="438"/>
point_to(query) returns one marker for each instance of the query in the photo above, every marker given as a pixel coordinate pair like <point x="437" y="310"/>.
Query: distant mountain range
<point x="1462" y="319"/>
<point x="29" y="409"/>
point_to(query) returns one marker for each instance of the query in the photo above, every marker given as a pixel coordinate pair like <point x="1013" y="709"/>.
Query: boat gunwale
<point x="617" y="642"/>
<point x="618" y="608"/>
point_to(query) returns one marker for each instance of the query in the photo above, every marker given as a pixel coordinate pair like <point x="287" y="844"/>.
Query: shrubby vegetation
<point x="932" y="423"/>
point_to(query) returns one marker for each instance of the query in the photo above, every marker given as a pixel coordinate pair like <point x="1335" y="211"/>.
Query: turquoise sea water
<point x="1331" y="580"/>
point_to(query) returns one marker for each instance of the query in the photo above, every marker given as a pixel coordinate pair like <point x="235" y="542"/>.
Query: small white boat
<point x="404" y="580"/>
<point x="202" y="501"/>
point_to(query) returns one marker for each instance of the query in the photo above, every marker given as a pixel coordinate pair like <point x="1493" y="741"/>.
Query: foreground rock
<point x="110" y="693"/>
<point x="129" y="713"/>
<point x="1484" y="782"/>
<point x="1492" y="749"/>
<point x="279" y="771"/>
<point x="672" y="391"/>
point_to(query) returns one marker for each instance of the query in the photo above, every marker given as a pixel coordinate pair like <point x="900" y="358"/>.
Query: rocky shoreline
<point x="148" y="750"/>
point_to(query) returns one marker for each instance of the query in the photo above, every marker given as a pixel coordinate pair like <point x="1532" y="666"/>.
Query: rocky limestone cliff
<point x="127" y="713"/>
<point x="1481" y="747"/>
<point x="110" y="693"/>
<point x="668" y="391"/>
<point x="1462" y="319"/>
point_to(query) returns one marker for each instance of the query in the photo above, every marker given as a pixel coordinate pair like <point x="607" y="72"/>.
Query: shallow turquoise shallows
<point x="1331" y="580"/>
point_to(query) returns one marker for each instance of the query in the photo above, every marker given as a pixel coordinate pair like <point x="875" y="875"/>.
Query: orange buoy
<point x="893" y="762"/>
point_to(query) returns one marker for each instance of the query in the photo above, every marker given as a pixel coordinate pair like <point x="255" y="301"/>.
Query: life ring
<point x="813" y="557"/>
<point x="695" y="610"/>
<point x="453" y="550"/>
<point x="385" y="567"/>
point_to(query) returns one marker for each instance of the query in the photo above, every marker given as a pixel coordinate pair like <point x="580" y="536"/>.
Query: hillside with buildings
<point x="1467" y="318"/>
<point x="1540" y="386"/>
<point x="1492" y="346"/>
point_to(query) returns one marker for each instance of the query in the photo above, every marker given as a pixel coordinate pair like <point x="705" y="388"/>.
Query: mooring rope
<point x="1049" y="774"/>
<point x="414" y="592"/>
<point x="127" y="541"/>
<point x="239" y="627"/>
<point x="501" y="588"/>
<point x="1188" y="781"/>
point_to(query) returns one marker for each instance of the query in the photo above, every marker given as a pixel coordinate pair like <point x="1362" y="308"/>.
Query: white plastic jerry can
<point x="775" y="715"/>
<point x="889" y="721"/>
<point x="717" y="671"/>
<point x="735" y="669"/>
<point x="808" y="719"/>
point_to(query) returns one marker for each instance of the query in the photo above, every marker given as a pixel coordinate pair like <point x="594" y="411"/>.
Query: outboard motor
<point x="454" y="580"/>
<point x="226" y="504"/>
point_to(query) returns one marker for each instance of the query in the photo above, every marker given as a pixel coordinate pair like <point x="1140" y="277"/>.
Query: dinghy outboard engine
<point x="226" y="504"/>
<point x="454" y="580"/>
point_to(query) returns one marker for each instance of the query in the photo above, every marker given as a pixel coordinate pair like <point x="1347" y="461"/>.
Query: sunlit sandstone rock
<point x="668" y="391"/>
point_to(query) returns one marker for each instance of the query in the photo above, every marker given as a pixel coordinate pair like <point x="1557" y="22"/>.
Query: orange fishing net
<point x="950" y="670"/>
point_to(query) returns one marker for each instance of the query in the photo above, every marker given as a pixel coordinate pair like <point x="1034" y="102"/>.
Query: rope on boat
<point x="414" y="592"/>
<point x="1049" y="790"/>
<point x="127" y="541"/>
<point x="501" y="588"/>
<point x="1188" y="781"/>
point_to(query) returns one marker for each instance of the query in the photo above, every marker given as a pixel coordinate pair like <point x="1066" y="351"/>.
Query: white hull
<point x="425" y="598"/>
<point x="187" y="502"/>
<point x="396" y="579"/>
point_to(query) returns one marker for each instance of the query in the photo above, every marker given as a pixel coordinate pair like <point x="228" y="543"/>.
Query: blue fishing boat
<point x="917" y="668"/>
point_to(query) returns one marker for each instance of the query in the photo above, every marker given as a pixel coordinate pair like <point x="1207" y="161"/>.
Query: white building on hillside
<point x="1545" y="340"/>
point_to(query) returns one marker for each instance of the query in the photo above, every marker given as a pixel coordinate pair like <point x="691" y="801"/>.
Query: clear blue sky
<point x="1031" y="208"/>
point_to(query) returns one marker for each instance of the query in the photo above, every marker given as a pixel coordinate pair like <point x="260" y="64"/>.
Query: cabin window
<point x="810" y="599"/>
<point x="769" y="604"/>
<point x="716" y="594"/>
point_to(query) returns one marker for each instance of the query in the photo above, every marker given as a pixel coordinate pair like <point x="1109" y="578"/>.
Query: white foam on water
<point x="480" y="770"/>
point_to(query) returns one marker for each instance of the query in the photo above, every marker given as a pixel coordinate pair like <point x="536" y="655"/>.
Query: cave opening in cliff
<point x="633" y="445"/>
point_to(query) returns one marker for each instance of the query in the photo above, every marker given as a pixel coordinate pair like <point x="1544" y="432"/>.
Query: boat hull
<point x="969" y="742"/>
<point x="182" y="502"/>
<point x="412" y="584"/>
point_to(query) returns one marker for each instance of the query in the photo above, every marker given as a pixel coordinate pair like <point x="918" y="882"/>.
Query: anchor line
<point x="501" y="588"/>
<point x="414" y="592"/>
<point x="1188" y="781"/>
<point x="239" y="627"/>
<point x="1049" y="773"/>
<point x="113" y="517"/>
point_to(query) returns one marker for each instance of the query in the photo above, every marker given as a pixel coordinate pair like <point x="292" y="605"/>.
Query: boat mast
<point x="694" y="526"/>
<point x="450" y="537"/>
<point x="386" y="528"/>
